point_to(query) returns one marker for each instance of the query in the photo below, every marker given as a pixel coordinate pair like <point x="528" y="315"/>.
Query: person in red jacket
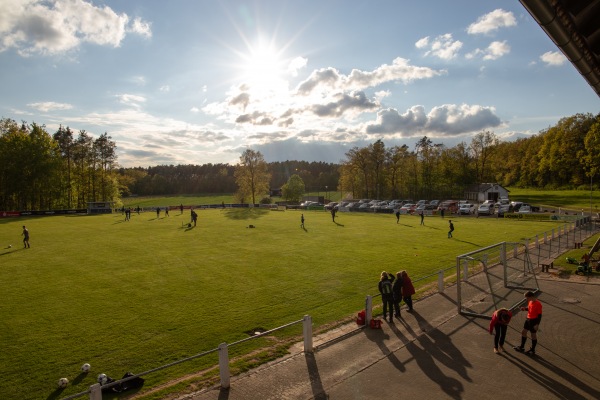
<point x="532" y="323"/>
<point x="500" y="320"/>
<point x="407" y="290"/>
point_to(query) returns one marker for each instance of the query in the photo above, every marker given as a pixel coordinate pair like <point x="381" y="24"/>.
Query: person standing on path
<point x="385" y="288"/>
<point x="499" y="322"/>
<point x="302" y="221"/>
<point x="25" y="235"/>
<point x="397" y="294"/>
<point x="407" y="290"/>
<point x="532" y="323"/>
<point x="451" y="226"/>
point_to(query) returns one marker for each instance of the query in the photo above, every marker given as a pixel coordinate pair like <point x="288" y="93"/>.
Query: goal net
<point x="494" y="277"/>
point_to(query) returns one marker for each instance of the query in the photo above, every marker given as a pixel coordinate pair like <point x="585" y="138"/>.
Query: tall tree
<point x="482" y="146"/>
<point x="252" y="175"/>
<point x="64" y="138"/>
<point x="293" y="189"/>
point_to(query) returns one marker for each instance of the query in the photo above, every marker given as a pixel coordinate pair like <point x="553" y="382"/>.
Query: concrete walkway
<point x="435" y="353"/>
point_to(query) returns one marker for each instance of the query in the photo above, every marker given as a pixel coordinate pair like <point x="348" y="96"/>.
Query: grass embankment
<point x="135" y="295"/>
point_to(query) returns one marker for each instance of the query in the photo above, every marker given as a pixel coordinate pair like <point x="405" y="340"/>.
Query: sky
<point x="199" y="81"/>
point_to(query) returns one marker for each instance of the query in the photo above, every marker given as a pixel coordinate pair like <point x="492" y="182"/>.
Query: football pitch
<point x="136" y="295"/>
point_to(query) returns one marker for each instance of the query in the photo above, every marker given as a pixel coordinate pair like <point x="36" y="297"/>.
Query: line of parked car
<point x="463" y="207"/>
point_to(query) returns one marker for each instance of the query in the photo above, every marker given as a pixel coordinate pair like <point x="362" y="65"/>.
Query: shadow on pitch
<point x="245" y="213"/>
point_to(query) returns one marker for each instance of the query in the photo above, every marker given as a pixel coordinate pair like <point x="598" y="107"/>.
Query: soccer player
<point x="25" y="235"/>
<point x="532" y="323"/>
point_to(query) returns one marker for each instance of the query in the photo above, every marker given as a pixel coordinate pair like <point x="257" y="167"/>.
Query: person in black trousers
<point x="385" y="288"/>
<point x="397" y="294"/>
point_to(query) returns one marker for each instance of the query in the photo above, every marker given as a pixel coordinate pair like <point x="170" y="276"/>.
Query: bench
<point x="546" y="265"/>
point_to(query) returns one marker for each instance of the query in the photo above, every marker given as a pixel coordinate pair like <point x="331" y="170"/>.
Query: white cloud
<point x="296" y="64"/>
<point x="141" y="28"/>
<point x="492" y="22"/>
<point x="443" y="46"/>
<point x="400" y="71"/>
<point x="131" y="100"/>
<point x="444" y="120"/>
<point x="165" y="88"/>
<point x="553" y="58"/>
<point x="494" y="51"/>
<point x="50" y="28"/>
<point x="50" y="106"/>
<point x="422" y="43"/>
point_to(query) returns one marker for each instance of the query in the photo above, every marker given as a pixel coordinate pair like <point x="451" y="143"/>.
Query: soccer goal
<point x="494" y="277"/>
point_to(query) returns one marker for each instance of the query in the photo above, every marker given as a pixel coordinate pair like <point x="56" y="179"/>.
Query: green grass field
<point x="132" y="296"/>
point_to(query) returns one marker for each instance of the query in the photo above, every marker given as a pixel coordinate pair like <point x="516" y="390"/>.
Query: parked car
<point x="484" y="209"/>
<point x="466" y="208"/>
<point x="331" y="206"/>
<point x="524" y="209"/>
<point x="450" y="206"/>
<point x="408" y="208"/>
<point x="501" y="209"/>
<point x="434" y="203"/>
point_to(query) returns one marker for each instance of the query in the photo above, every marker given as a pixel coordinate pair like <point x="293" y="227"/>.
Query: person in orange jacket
<point x="532" y="323"/>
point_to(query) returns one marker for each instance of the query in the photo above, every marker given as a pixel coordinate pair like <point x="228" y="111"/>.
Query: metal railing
<point x="95" y="391"/>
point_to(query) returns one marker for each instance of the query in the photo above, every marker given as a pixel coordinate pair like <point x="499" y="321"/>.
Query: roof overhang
<point x="573" y="25"/>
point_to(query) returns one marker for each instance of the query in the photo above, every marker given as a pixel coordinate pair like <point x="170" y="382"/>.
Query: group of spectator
<point x="393" y="290"/>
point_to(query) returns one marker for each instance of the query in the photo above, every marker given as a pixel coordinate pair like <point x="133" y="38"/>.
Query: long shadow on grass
<point x="464" y="241"/>
<point x="245" y="213"/>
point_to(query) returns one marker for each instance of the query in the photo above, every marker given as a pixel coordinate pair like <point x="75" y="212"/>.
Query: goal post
<point x="494" y="277"/>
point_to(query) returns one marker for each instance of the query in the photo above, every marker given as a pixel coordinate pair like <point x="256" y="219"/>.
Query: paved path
<point x="434" y="353"/>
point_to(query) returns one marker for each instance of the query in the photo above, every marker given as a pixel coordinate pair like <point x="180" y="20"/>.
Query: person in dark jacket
<point x="397" y="293"/>
<point x="385" y="288"/>
<point x="407" y="290"/>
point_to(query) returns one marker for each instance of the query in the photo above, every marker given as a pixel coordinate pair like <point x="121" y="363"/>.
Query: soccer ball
<point x="63" y="382"/>
<point x="9" y="246"/>
<point x="102" y="379"/>
<point x="86" y="367"/>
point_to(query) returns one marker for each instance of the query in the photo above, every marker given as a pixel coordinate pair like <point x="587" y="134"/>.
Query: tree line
<point x="39" y="170"/>
<point x="564" y="156"/>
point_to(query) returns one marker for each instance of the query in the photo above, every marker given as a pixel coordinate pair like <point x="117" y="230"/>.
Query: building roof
<point x="484" y="187"/>
<point x="574" y="26"/>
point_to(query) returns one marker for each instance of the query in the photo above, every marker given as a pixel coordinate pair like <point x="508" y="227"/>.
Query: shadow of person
<point x="316" y="384"/>
<point x="452" y="387"/>
<point x="554" y="387"/>
<point x="378" y="337"/>
<point x="338" y="224"/>
<point x="440" y="346"/>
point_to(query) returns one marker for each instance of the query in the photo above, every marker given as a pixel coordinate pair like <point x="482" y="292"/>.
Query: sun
<point x="263" y="68"/>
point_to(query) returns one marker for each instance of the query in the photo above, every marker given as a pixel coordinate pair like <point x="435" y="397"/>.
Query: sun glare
<point x="263" y="68"/>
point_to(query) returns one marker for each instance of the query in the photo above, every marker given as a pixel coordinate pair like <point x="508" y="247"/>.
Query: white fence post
<point x="224" y="366"/>
<point x="96" y="392"/>
<point x="441" y="281"/>
<point x="307" y="333"/>
<point x="368" y="310"/>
